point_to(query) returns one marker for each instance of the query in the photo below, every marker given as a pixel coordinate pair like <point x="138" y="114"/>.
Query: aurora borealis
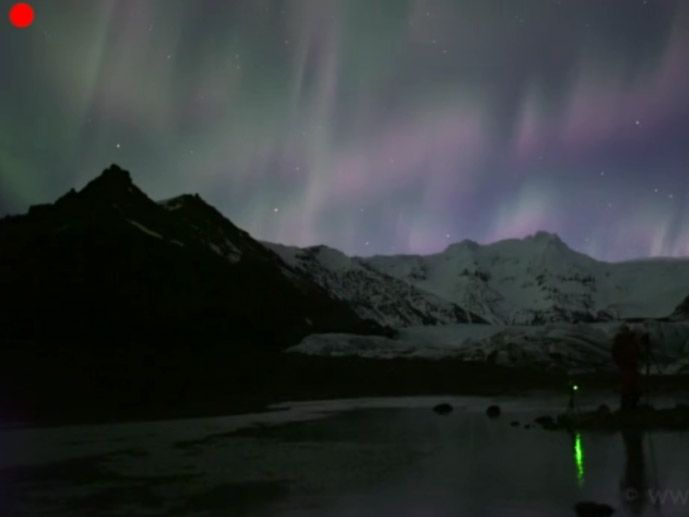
<point x="374" y="126"/>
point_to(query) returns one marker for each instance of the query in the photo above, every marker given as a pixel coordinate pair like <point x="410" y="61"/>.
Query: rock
<point x="527" y="426"/>
<point x="589" y="509"/>
<point x="443" y="409"/>
<point x="514" y="423"/>
<point x="493" y="411"/>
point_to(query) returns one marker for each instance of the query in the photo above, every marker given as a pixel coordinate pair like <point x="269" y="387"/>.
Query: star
<point x="276" y="210"/>
<point x="118" y="146"/>
<point x="637" y="122"/>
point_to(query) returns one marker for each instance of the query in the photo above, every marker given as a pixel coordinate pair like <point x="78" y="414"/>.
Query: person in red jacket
<point x="626" y="352"/>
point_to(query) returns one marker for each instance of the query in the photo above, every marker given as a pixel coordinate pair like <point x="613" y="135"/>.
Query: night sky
<point x="374" y="126"/>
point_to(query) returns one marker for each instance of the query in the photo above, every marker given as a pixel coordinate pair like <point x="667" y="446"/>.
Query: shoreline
<point x="64" y="388"/>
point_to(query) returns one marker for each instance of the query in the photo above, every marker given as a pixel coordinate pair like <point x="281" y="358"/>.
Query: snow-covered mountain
<point x="371" y="293"/>
<point x="548" y="305"/>
<point x="539" y="279"/>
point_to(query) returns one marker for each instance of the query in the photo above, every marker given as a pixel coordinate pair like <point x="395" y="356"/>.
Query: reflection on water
<point x="634" y="485"/>
<point x="341" y="458"/>
<point x="579" y="458"/>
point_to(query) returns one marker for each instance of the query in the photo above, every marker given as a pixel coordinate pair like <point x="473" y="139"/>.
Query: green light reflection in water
<point x="578" y="451"/>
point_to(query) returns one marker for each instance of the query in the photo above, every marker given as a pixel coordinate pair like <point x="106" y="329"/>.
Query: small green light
<point x="575" y="387"/>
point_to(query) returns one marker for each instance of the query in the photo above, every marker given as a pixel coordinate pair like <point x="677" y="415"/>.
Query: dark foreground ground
<point x="61" y="383"/>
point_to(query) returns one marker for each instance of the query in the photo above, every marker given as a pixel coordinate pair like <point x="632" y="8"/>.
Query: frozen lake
<point x="347" y="457"/>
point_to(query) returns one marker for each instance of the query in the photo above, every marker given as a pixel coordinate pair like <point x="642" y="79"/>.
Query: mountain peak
<point x="194" y="207"/>
<point x="184" y="200"/>
<point x="114" y="175"/>
<point x="113" y="186"/>
<point x="542" y="236"/>
<point x="547" y="240"/>
<point x="112" y="180"/>
<point x="466" y="244"/>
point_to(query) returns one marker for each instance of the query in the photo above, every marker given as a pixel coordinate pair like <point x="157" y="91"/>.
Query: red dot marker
<point x="21" y="15"/>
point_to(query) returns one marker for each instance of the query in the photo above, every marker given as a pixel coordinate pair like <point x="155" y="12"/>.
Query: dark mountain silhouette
<point x="107" y="262"/>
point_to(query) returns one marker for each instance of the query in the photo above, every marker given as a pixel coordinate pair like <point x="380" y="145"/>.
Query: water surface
<point x="348" y="457"/>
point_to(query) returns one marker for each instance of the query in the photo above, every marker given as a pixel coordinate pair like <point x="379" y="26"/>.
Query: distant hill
<point x="107" y="262"/>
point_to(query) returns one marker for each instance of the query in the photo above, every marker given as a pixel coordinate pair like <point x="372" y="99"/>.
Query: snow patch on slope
<point x="226" y="249"/>
<point x="145" y="229"/>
